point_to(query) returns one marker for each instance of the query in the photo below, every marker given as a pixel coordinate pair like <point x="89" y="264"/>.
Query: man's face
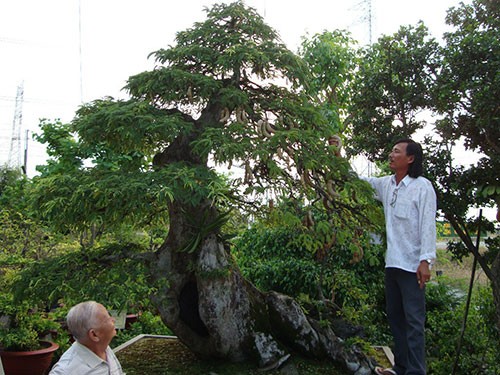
<point x="334" y="141"/>
<point x="105" y="325"/>
<point x="398" y="160"/>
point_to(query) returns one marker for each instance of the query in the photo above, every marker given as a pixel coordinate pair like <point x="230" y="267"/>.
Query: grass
<point x="454" y="273"/>
<point x="170" y="356"/>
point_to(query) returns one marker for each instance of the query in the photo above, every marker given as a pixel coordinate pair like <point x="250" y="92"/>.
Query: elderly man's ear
<point x="93" y="336"/>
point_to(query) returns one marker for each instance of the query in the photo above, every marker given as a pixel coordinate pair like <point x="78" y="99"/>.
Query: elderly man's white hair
<point x="81" y="318"/>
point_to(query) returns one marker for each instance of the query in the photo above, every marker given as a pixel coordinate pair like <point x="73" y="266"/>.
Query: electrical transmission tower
<point x="370" y="19"/>
<point x="364" y="166"/>
<point x="365" y="7"/>
<point x="15" y="152"/>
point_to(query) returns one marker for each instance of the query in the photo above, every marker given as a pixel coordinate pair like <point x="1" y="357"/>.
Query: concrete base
<point x="139" y="337"/>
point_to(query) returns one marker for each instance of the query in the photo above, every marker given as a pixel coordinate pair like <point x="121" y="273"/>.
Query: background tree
<point x="22" y="236"/>
<point x="456" y="85"/>
<point x="332" y="61"/>
<point x="227" y="93"/>
<point x="391" y="91"/>
<point x="466" y="97"/>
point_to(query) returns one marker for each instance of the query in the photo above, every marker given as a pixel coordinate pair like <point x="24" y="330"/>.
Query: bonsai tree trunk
<point x="218" y="314"/>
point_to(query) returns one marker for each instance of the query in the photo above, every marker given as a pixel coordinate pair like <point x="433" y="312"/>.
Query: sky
<point x="67" y="52"/>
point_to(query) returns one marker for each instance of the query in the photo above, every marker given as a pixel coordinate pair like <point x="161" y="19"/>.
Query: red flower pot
<point x="131" y="318"/>
<point x="35" y="362"/>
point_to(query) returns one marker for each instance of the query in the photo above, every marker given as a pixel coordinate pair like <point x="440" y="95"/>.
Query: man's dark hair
<point x="413" y="148"/>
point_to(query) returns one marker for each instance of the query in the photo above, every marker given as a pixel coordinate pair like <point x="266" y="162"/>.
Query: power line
<point x="35" y="100"/>
<point x="35" y="43"/>
<point x="16" y="41"/>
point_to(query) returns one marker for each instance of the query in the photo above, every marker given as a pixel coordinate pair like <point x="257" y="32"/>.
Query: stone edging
<point x="138" y="337"/>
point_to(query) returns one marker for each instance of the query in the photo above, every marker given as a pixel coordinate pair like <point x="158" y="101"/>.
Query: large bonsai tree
<point x="228" y="93"/>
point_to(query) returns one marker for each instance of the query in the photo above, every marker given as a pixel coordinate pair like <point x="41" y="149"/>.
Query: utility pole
<point x="14" y="160"/>
<point x="25" y="163"/>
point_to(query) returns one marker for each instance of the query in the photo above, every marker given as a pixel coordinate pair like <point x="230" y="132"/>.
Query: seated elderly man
<point x="93" y="329"/>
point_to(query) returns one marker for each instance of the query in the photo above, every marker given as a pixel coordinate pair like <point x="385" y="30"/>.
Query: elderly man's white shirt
<point x="410" y="220"/>
<point x="80" y="360"/>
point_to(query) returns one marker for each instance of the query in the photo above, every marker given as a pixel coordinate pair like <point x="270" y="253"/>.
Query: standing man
<point x="409" y="204"/>
<point x="93" y="329"/>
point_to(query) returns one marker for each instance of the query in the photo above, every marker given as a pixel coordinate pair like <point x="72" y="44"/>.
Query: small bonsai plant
<point x="21" y="328"/>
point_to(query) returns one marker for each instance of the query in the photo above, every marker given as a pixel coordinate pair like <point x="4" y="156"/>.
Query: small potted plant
<point x="23" y="349"/>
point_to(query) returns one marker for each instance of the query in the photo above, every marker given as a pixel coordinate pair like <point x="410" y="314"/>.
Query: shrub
<point x="479" y="350"/>
<point x="147" y="323"/>
<point x="109" y="274"/>
<point x="274" y="259"/>
<point x="22" y="328"/>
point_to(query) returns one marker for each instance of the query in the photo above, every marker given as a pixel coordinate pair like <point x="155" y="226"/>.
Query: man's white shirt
<point x="80" y="360"/>
<point x="410" y="219"/>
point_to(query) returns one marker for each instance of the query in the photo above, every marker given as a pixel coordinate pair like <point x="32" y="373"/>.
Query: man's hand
<point x="423" y="273"/>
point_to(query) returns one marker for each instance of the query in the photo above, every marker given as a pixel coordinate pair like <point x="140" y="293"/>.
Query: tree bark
<point x="216" y="313"/>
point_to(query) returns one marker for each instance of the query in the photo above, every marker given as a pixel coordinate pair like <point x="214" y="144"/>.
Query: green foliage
<point x="331" y="59"/>
<point x="287" y="259"/>
<point x="392" y="86"/>
<point x="266" y="259"/>
<point x="113" y="274"/>
<point x="147" y="324"/>
<point x="11" y="182"/>
<point x="466" y="96"/>
<point x="131" y="127"/>
<point x="479" y="352"/>
<point x="440" y="296"/>
<point x="22" y="328"/>
<point x="108" y="195"/>
<point x="202" y="229"/>
<point x="23" y="238"/>
<point x="469" y="76"/>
